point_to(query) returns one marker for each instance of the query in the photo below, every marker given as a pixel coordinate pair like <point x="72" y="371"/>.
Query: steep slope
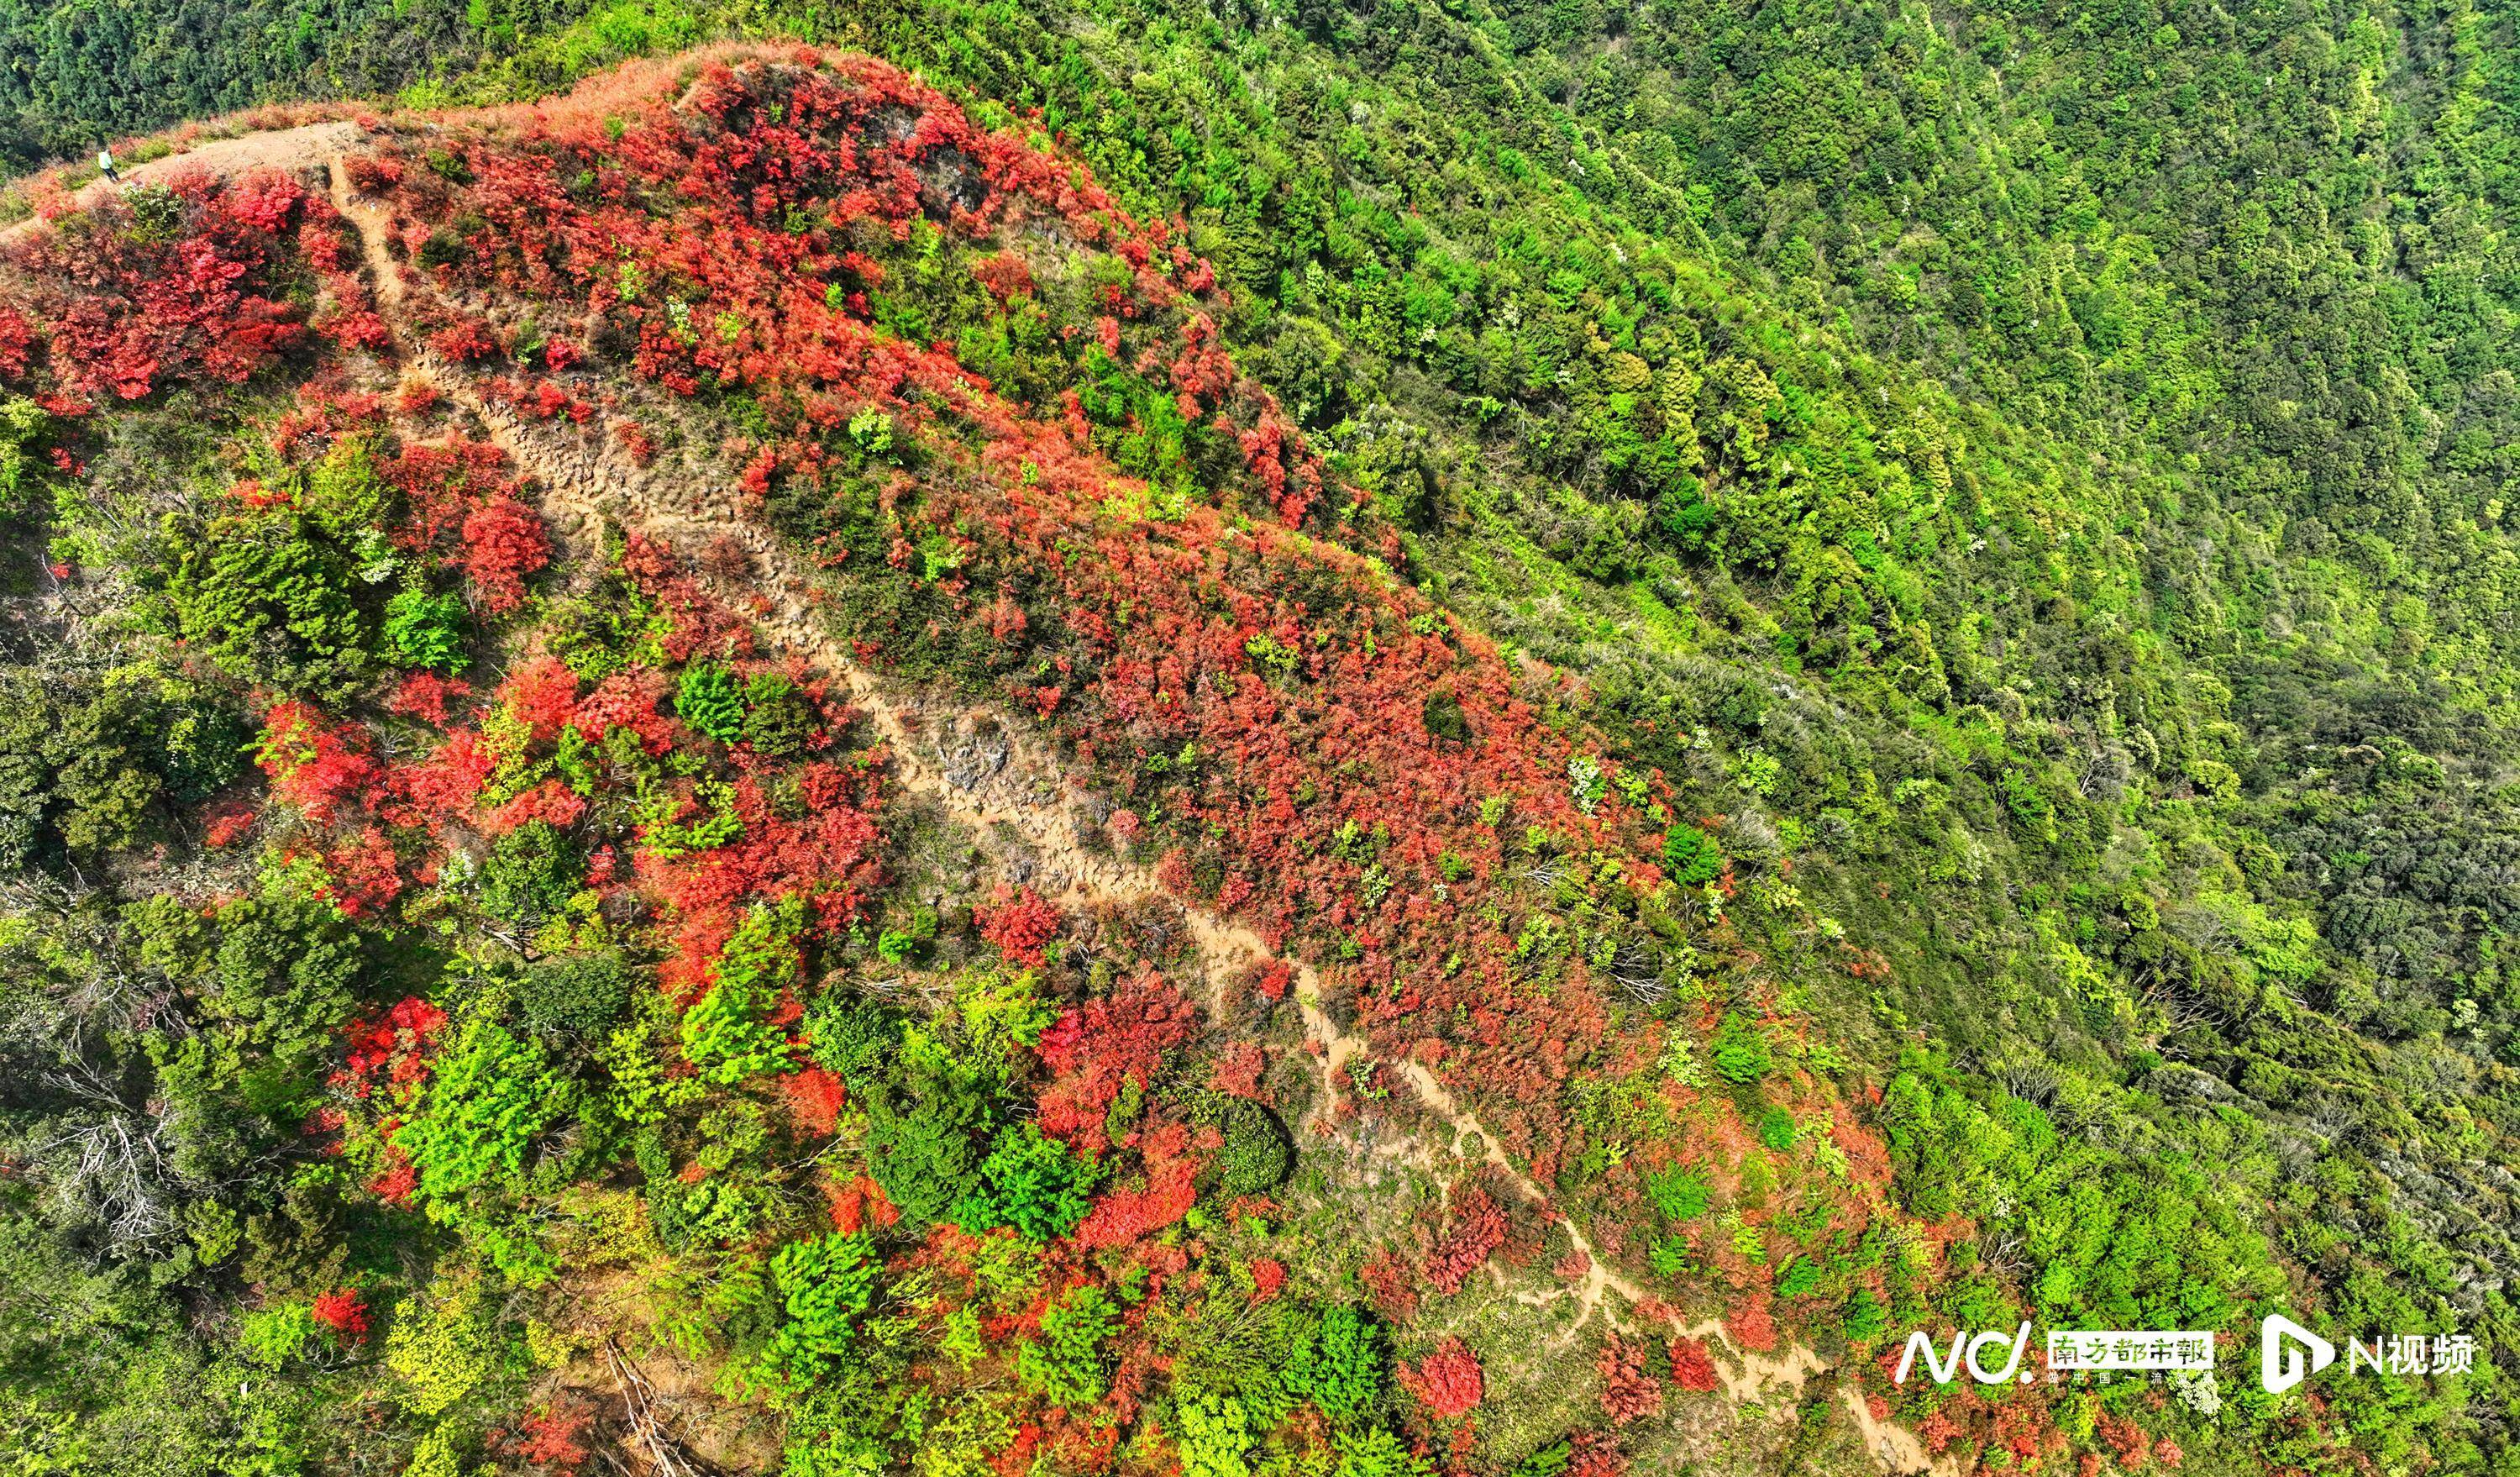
<point x="594" y="485"/>
<point x="406" y="810"/>
<point x="2043" y="696"/>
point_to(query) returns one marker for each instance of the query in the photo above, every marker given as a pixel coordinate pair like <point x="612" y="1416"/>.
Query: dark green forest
<point x="2036" y="480"/>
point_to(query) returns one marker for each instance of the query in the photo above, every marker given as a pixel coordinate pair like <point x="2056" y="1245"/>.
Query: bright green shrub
<point x="1742" y="1053"/>
<point x="489" y="1098"/>
<point x="270" y="601"/>
<point x="24" y="424"/>
<point x="726" y="1034"/>
<point x="1864" y="1318"/>
<point x="442" y="1347"/>
<point x="1689" y="855"/>
<point x="274" y="1337"/>
<point x="933" y="1111"/>
<point x="900" y="944"/>
<point x="1377" y="1452"/>
<point x="426" y="631"/>
<point x="711" y="701"/>
<point x="1679" y="1193"/>
<point x="1065" y="1364"/>
<point x="605" y="632"/>
<point x="1214" y="1432"/>
<point x="825" y="1286"/>
<point x="853" y="1039"/>
<point x="1002" y="1011"/>
<point x="1031" y="1183"/>
<point x="1339" y="1365"/>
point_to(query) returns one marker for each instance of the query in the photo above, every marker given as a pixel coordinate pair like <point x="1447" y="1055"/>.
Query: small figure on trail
<point x="105" y="163"/>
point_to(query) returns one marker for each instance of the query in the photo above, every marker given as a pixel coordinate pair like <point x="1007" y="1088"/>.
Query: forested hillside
<point x="1318" y="740"/>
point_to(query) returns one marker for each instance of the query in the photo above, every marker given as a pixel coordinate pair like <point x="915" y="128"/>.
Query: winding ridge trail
<point x="309" y="146"/>
<point x="1018" y="788"/>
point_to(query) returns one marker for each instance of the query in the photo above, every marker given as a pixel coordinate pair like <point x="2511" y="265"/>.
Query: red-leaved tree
<point x="1693" y="1367"/>
<point x="1628" y="1390"/>
<point x="1477" y="1230"/>
<point x="1448" y="1382"/>
<point x="342" y="1310"/>
<point x="1022" y="926"/>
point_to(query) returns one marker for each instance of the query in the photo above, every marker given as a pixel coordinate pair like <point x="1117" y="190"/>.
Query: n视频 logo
<point x="2279" y="1363"/>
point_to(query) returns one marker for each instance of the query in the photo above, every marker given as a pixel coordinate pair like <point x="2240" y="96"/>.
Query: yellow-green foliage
<point x="442" y="1346"/>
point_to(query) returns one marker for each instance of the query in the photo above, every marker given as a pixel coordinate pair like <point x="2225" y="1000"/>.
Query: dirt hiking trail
<point x="310" y="145"/>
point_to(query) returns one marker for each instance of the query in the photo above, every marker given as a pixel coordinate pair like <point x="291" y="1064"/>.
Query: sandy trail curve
<point x="291" y="150"/>
<point x="586" y="481"/>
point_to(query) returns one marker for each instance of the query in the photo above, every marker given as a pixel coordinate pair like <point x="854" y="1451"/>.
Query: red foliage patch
<point x="359" y="874"/>
<point x="814" y="1098"/>
<point x="827" y="857"/>
<point x="1448" y="1382"/>
<point x="17" y="345"/>
<point x="1629" y="1391"/>
<point x="400" y="1181"/>
<point x="1393" y="1283"/>
<point x="1693" y="1367"/>
<point x="1597" y="1453"/>
<point x="1238" y="1070"/>
<point x="1751" y="1323"/>
<point x="129" y="306"/>
<point x="314" y="763"/>
<point x="858" y="1202"/>
<point x="425" y="696"/>
<point x="503" y="542"/>
<point x="344" y="1312"/>
<point x="1117" y="1038"/>
<point x="1004" y="275"/>
<point x="1020" y="924"/>
<point x="443" y="483"/>
<point x="1122" y="1215"/>
<point x="464" y="341"/>
<point x="551" y="1435"/>
<point x="395" y="1043"/>
<point x="2128" y="1441"/>
<point x="1477" y="1230"/>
